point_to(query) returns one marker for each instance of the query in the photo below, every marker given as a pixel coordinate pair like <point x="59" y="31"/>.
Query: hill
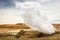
<point x="21" y="26"/>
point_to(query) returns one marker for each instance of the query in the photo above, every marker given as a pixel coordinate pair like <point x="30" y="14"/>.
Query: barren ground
<point x="29" y="35"/>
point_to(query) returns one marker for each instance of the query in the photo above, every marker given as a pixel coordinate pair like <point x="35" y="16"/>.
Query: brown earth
<point x="28" y="35"/>
<point x="15" y="26"/>
<point x="20" y="26"/>
<point x="31" y="35"/>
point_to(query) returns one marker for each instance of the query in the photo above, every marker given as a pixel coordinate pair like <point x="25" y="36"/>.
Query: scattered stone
<point x="20" y="33"/>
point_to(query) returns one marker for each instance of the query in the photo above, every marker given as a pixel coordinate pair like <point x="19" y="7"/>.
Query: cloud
<point x="47" y="1"/>
<point x="47" y="9"/>
<point x="50" y="8"/>
<point x="6" y="3"/>
<point x="10" y="16"/>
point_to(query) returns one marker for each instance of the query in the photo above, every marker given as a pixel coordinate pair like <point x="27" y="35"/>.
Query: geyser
<point x="34" y="18"/>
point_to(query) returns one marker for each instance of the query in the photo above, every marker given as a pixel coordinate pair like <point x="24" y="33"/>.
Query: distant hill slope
<point x="56" y="25"/>
<point x="20" y="26"/>
<point x="15" y="26"/>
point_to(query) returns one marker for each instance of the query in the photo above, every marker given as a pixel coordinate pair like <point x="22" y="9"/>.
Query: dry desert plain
<point x="11" y="32"/>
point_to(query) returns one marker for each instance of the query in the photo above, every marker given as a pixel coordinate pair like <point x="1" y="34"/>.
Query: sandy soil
<point x="29" y="34"/>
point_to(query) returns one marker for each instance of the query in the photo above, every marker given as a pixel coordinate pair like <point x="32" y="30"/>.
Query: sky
<point x="10" y="10"/>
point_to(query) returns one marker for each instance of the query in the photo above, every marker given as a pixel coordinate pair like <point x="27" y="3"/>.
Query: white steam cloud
<point x="51" y="10"/>
<point x="34" y="18"/>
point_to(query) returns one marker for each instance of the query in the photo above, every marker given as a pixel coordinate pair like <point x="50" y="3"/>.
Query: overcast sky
<point x="10" y="14"/>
